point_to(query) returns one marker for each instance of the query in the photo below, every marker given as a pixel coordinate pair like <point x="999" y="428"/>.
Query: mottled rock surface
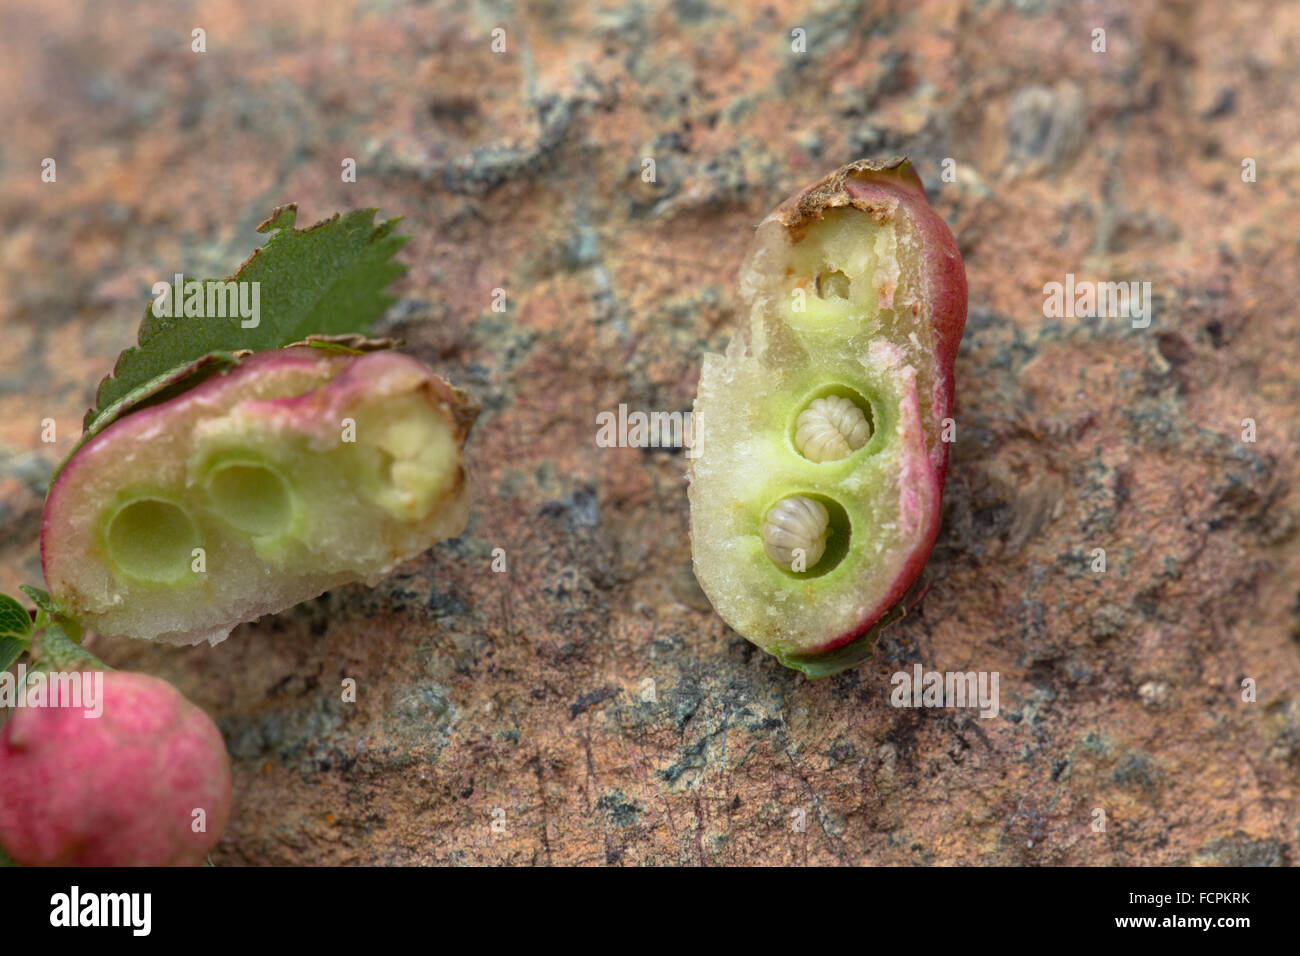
<point x="587" y="701"/>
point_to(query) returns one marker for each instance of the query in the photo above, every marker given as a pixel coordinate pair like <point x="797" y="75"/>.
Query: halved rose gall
<point x="298" y="471"/>
<point x="823" y="419"/>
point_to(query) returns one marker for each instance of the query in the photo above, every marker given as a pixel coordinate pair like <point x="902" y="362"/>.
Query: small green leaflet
<point x="40" y="598"/>
<point x="47" y="611"/>
<point x="328" y="279"/>
<point x="15" y="631"/>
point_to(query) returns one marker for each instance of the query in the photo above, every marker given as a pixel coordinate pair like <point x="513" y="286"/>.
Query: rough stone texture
<point x="527" y="691"/>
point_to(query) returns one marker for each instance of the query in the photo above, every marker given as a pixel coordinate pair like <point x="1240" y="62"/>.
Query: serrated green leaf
<point x="14" y="619"/>
<point x="328" y="279"/>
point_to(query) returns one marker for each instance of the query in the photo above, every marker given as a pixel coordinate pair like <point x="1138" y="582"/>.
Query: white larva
<point x="796" y="524"/>
<point x="831" y="428"/>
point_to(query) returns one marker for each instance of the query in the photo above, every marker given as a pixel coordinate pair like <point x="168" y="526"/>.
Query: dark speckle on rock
<point x="445" y="603"/>
<point x="620" y="811"/>
<point x="588" y="701"/>
<point x="579" y="509"/>
<point x="1224" y="103"/>
<point x="1136" y="769"/>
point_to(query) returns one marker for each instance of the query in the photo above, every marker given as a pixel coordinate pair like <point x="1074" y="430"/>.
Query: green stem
<point x="56" y="651"/>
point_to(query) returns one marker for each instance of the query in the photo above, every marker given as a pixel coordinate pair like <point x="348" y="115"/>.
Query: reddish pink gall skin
<point x="894" y="189"/>
<point x="116" y="790"/>
<point x="945" y="278"/>
<point x="327" y="406"/>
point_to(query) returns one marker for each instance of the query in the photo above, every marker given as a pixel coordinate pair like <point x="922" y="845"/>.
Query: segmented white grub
<point x="796" y="523"/>
<point x="830" y="428"/>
